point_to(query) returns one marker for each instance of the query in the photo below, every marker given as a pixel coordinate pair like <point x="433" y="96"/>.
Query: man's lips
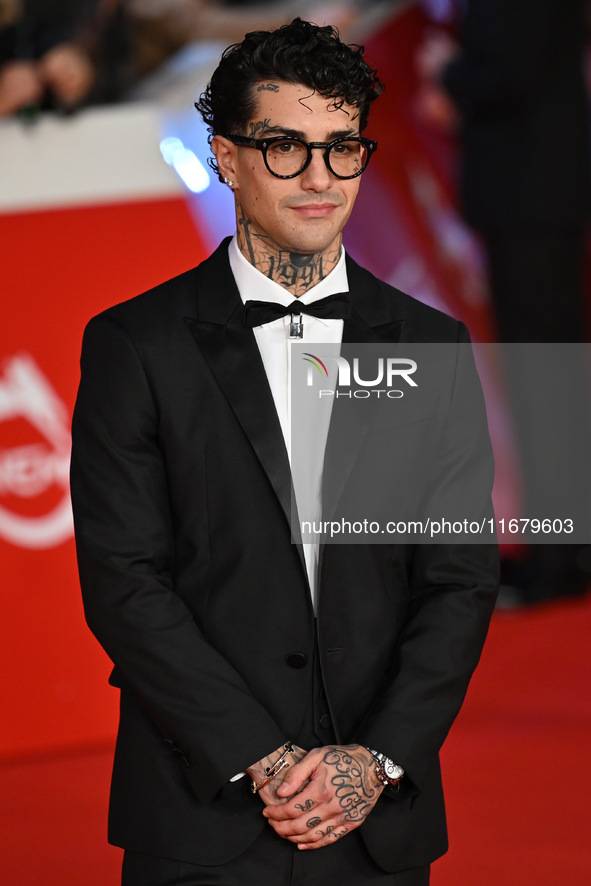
<point x="315" y="210"/>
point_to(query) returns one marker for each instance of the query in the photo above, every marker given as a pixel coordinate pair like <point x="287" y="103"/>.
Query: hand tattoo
<point x="312" y="822"/>
<point x="354" y="783"/>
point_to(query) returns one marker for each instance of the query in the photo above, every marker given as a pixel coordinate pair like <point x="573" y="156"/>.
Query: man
<point x="181" y="488"/>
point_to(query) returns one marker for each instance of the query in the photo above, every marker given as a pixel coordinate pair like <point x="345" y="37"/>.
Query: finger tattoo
<point x="339" y="834"/>
<point x="305" y="807"/>
<point x="329" y="828"/>
<point x="330" y="832"/>
<point x="313" y="822"/>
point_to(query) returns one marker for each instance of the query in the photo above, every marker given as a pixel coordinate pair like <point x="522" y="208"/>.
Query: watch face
<point x="392" y="770"/>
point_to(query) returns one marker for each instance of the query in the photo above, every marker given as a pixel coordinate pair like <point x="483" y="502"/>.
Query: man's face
<point x="305" y="214"/>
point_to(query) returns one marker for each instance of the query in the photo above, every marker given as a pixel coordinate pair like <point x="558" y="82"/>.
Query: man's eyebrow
<point x="343" y="133"/>
<point x="298" y="133"/>
<point x="283" y="130"/>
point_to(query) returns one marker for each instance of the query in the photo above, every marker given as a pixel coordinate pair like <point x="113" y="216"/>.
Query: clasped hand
<point x="327" y="794"/>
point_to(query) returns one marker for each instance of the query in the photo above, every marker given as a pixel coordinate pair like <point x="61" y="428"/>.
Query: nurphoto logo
<point x="387" y="372"/>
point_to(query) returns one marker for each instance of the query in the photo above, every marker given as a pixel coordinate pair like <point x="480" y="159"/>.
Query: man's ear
<point x="225" y="154"/>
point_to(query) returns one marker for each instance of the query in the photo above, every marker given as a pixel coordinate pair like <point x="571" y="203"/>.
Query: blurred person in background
<point x="162" y="27"/>
<point x="65" y="53"/>
<point x="513" y="89"/>
<point x="43" y="60"/>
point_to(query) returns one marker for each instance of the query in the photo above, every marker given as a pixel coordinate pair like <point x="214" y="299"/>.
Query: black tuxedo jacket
<point x="181" y="492"/>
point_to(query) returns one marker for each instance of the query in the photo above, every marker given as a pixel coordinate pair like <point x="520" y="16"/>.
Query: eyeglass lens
<point x="346" y="158"/>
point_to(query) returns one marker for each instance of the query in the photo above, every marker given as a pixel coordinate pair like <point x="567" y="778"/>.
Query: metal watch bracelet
<point x="388" y="772"/>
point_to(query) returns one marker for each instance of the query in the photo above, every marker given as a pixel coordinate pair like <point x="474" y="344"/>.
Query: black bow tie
<point x="333" y="307"/>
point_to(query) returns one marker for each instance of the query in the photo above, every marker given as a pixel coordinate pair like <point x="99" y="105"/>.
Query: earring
<point x="229" y="182"/>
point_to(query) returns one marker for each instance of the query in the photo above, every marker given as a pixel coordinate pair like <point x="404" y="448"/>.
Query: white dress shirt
<point x="274" y="344"/>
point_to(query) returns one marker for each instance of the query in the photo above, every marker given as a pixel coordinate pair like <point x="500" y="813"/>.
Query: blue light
<point x="187" y="166"/>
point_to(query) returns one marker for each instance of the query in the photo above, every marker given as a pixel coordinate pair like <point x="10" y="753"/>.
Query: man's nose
<point x="317" y="176"/>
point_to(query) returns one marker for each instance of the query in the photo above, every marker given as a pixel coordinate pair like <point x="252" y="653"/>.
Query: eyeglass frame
<point x="262" y="145"/>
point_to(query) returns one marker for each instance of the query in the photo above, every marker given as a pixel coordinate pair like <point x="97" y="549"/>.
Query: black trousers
<point x="271" y="861"/>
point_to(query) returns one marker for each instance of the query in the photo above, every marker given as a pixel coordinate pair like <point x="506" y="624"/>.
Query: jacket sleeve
<point x="126" y="556"/>
<point x="453" y="589"/>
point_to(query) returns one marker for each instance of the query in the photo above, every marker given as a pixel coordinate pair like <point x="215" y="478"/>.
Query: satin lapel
<point x="232" y="354"/>
<point x="370" y="323"/>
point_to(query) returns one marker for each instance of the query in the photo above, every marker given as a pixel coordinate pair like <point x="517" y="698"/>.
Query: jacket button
<point x="325" y="721"/>
<point x="295" y="660"/>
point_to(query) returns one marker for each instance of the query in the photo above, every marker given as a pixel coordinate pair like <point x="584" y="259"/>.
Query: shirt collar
<point x="252" y="284"/>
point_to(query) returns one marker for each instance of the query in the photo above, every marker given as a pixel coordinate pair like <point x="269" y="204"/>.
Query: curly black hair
<point x="301" y="53"/>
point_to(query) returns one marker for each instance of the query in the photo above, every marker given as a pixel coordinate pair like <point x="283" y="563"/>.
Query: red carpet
<point x="516" y="765"/>
<point x="53" y="826"/>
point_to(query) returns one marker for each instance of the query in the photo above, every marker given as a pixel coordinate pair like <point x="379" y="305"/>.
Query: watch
<point x="388" y="772"/>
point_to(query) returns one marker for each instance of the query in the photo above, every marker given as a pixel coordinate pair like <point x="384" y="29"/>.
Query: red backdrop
<point x="60" y="268"/>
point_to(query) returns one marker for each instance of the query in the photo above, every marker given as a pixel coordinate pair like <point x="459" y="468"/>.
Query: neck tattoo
<point x="294" y="271"/>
